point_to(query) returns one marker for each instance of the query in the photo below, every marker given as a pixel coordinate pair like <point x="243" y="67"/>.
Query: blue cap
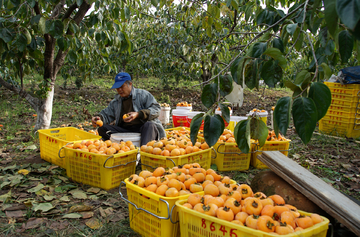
<point x="120" y="78"/>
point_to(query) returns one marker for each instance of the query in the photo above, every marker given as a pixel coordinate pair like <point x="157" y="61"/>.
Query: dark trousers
<point x="148" y="131"/>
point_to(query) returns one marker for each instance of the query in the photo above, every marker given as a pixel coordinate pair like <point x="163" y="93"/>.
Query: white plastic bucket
<point x="134" y="137"/>
<point x="164" y="116"/>
<point x="272" y="119"/>
<point x="188" y="108"/>
<point x="234" y="120"/>
<point x="179" y="117"/>
<point x="191" y="115"/>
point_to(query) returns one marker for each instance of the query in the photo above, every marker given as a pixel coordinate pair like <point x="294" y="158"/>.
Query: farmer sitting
<point x="133" y="110"/>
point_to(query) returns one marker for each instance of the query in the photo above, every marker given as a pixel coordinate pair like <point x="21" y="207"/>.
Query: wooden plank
<point x="325" y="196"/>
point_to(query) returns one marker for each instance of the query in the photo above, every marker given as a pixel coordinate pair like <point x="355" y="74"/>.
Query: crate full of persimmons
<point x="151" y="196"/>
<point x="98" y="163"/>
<point x="273" y="143"/>
<point x="228" y="156"/>
<point x="175" y="150"/>
<point x="234" y="211"/>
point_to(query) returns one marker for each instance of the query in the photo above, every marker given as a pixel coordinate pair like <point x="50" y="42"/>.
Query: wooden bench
<point x="325" y="196"/>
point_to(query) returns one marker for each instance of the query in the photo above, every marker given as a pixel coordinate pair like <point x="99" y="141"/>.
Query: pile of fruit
<point x="183" y="104"/>
<point x="238" y="204"/>
<point x="164" y="105"/>
<point x="173" y="146"/>
<point x="272" y="137"/>
<point x="226" y="136"/>
<point x="102" y="147"/>
<point x="258" y="111"/>
<point x="179" y="180"/>
<point x="182" y="132"/>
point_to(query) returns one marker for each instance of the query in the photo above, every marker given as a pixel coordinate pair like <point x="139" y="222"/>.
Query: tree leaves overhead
<point x="331" y="16"/>
<point x="276" y="54"/>
<point x="213" y="128"/>
<point x="242" y="135"/>
<point x="321" y="95"/>
<point x="258" y="130"/>
<point x="271" y="72"/>
<point x="209" y="95"/>
<point x="282" y="116"/>
<point x="225" y="112"/>
<point x="226" y="84"/>
<point x="346" y="45"/>
<point x="195" y="124"/>
<point x="348" y="11"/>
<point x="305" y="116"/>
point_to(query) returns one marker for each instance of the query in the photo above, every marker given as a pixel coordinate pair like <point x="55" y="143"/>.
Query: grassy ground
<point x="45" y="202"/>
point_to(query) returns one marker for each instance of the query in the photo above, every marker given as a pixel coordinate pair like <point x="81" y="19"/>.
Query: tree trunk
<point x="44" y="111"/>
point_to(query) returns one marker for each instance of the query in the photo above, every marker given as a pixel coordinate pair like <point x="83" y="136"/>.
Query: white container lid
<point x="180" y="112"/>
<point x="238" y="118"/>
<point x="134" y="137"/>
<point x="219" y="112"/>
<point x="165" y="108"/>
<point x="261" y="114"/>
<point x="192" y="114"/>
<point x="184" y="107"/>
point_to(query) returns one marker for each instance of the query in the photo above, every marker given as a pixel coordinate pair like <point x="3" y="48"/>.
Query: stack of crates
<point x="343" y="115"/>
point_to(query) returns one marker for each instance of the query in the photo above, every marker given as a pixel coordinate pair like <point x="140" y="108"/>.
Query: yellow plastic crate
<point x="346" y="97"/>
<point x="340" y="86"/>
<point x="343" y="118"/>
<point x="151" y="161"/>
<point x="193" y="223"/>
<point x="150" y="213"/>
<point x="341" y="129"/>
<point x="347" y="109"/>
<point x="282" y="146"/>
<point x="351" y="104"/>
<point x="229" y="157"/>
<point x="341" y="91"/>
<point x="51" y="140"/>
<point x="97" y="170"/>
<point x="342" y="114"/>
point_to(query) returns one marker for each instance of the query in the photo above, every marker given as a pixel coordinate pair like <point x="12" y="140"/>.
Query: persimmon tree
<point x="43" y="36"/>
<point x="248" y="41"/>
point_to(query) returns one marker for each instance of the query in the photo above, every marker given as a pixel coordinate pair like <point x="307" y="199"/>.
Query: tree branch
<point x="69" y="11"/>
<point x="251" y="41"/>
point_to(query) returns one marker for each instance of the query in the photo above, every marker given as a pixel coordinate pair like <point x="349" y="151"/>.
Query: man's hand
<point x="130" y="116"/>
<point x="94" y="119"/>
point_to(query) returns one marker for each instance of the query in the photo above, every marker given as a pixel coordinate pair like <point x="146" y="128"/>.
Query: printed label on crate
<point x="83" y="155"/>
<point x="51" y="139"/>
<point x="194" y="158"/>
<point x="208" y="228"/>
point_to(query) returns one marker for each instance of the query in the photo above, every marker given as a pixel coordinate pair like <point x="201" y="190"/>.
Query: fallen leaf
<point x="23" y="171"/>
<point x="80" y="208"/>
<point x="33" y="223"/>
<point x="93" y="223"/>
<point x="93" y="190"/>
<point x="44" y="207"/>
<point x="72" y="216"/>
<point x="49" y="198"/>
<point x="14" y="207"/>
<point x="60" y="225"/>
<point x="5" y="197"/>
<point x="93" y="197"/>
<point x="64" y="179"/>
<point x="116" y="217"/>
<point x="65" y="199"/>
<point x="109" y="211"/>
<point x="78" y="194"/>
<point x="37" y="188"/>
<point x="102" y="212"/>
<point x="14" y="214"/>
<point x="31" y="147"/>
<point x="87" y="214"/>
<point x="346" y="166"/>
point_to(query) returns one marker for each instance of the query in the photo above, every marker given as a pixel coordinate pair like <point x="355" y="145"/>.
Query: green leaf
<point x="327" y="70"/>
<point x="331" y="16"/>
<point x="258" y="130"/>
<point x="35" y="19"/>
<point x="290" y="28"/>
<point x="78" y="194"/>
<point x="282" y="114"/>
<point x="6" y="35"/>
<point x="289" y="84"/>
<point x="278" y="43"/>
<point x="195" y="124"/>
<point x="271" y="73"/>
<point x="349" y="12"/>
<point x="42" y="25"/>
<point x="251" y="72"/>
<point x="225" y="112"/>
<point x="302" y="77"/>
<point x="209" y="95"/>
<point x="276" y="54"/>
<point x="226" y="85"/>
<point x="79" y="2"/>
<point x="21" y="42"/>
<point x="72" y="216"/>
<point x="43" y="207"/>
<point x="242" y="135"/>
<point x="305" y="117"/>
<point x="127" y="12"/>
<point x="237" y="70"/>
<point x="321" y="96"/>
<point x="56" y="28"/>
<point x="37" y="188"/>
<point x="213" y="128"/>
<point x="346" y="45"/>
<point x="258" y="49"/>
<point x="62" y="43"/>
<point x="155" y="2"/>
<point x="72" y="56"/>
<point x="28" y="36"/>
